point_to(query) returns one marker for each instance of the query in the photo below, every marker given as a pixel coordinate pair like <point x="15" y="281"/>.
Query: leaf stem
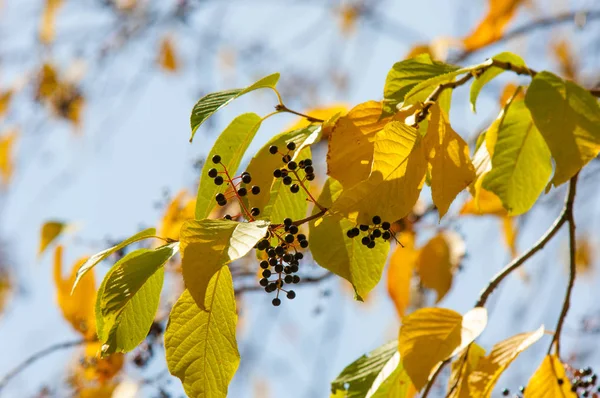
<point x="307" y="191"/>
<point x="282" y="108"/>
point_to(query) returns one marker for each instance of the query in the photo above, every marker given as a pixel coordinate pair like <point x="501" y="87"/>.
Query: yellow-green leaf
<point x="128" y="298"/>
<point x="490" y="73"/>
<point x="484" y="377"/>
<point x="396" y="179"/>
<point x="434" y="266"/>
<point x="392" y="381"/>
<point x="200" y="345"/>
<point x="431" y="335"/>
<point x="349" y="258"/>
<point x="448" y="154"/>
<point x="568" y="117"/>
<point x="7" y="149"/>
<point x="545" y="381"/>
<point x="208" y="245"/>
<point x="462" y="367"/>
<point x="400" y="271"/>
<point x="521" y="164"/>
<point x="49" y="232"/>
<point x="104" y="254"/>
<point x="231" y="146"/>
<point x="209" y="104"/>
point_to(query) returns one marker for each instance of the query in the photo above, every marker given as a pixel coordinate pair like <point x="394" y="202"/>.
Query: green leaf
<point x="231" y="146"/>
<point x="263" y="163"/>
<point x="490" y="73"/>
<point x="200" y="345"/>
<point x="568" y="117"/>
<point x="392" y="381"/>
<point x="208" y="245"/>
<point x="357" y="378"/>
<point x="406" y="74"/>
<point x="98" y="257"/>
<point x="521" y="164"/>
<point x="211" y="103"/>
<point x="128" y="298"/>
<point x="333" y="250"/>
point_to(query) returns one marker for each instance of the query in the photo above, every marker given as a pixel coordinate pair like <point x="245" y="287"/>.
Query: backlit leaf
<point x="521" y="164"/>
<point x="347" y="257"/>
<point x="544" y="382"/>
<point x="47" y="81"/>
<point x="5" y="98"/>
<point x="167" y="57"/>
<point x="48" y="22"/>
<point x="49" y="233"/>
<point x="431" y="335"/>
<point x="568" y="117"/>
<point x="462" y="367"/>
<point x="181" y="208"/>
<point x="320" y="112"/>
<point x="406" y="74"/>
<point x="400" y="272"/>
<point x="490" y="73"/>
<point x="396" y="179"/>
<point x="392" y="381"/>
<point x="357" y="378"/>
<point x="448" y="154"/>
<point x="104" y="254"/>
<point x="484" y="377"/>
<point x="434" y="266"/>
<point x="7" y="149"/>
<point x="209" y="104"/>
<point x="231" y="146"/>
<point x="128" y="298"/>
<point x="77" y="309"/>
<point x="208" y="245"/>
<point x="201" y="346"/>
<point x="492" y="27"/>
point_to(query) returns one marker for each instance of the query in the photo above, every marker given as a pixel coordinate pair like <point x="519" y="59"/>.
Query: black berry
<point x="219" y="180"/>
<point x="242" y="191"/>
<point x="222" y="203"/>
<point x="228" y="217"/>
<point x="301" y="164"/>
<point x="294" y="268"/>
<point x="350" y="234"/>
<point x="255" y="190"/>
<point x="288" y="279"/>
<point x="276" y="302"/>
<point x="287" y="257"/>
<point x="289" y="238"/>
<point x="307" y="162"/>
<point x="296" y="279"/>
<point x="254" y="211"/>
<point x="304" y="244"/>
<point x="364" y="227"/>
<point x="264" y="264"/>
<point x="276" y="173"/>
<point x="287" y="180"/>
<point x="301" y="237"/>
<point x="376" y="220"/>
<point x="273" y="262"/>
<point x="292" y="165"/>
<point x="212" y="173"/>
<point x="279" y="268"/>
<point x="385" y="225"/>
<point x="216" y="159"/>
<point x="294" y="188"/>
<point x="287" y="222"/>
<point x="505" y="392"/>
<point x="286" y="158"/>
<point x="279" y="250"/>
<point x="266" y="273"/>
<point x="291" y="146"/>
<point x="308" y="169"/>
<point x="246" y="177"/>
<point x="220" y="197"/>
<point x="291" y="294"/>
<point x="365" y="240"/>
<point x="273" y="149"/>
<point x="371" y="244"/>
<point x="264" y="282"/>
<point x="386" y="235"/>
<point x="271" y="253"/>
<point x="310" y="177"/>
<point x="377" y="233"/>
<point x="263" y="244"/>
<point x="299" y="256"/>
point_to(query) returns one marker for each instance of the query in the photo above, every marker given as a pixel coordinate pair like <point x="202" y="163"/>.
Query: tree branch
<point x="572" y="266"/>
<point x="38" y="355"/>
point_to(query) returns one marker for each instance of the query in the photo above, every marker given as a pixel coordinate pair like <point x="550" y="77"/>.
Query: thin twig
<point x="283" y="108"/>
<point x="38" y="355"/>
<point x="572" y="266"/>
<point x="436" y="373"/>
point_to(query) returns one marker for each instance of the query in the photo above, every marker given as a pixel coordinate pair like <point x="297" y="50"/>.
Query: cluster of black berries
<point x="372" y="232"/>
<point x="506" y="392"/>
<point x="583" y="381"/>
<point x="292" y="168"/>
<point x="283" y="260"/>
<point x="235" y="191"/>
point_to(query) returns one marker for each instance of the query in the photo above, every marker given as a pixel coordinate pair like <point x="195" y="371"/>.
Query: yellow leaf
<point x="434" y="266"/>
<point x="181" y="208"/>
<point x="448" y="154"/>
<point x="545" y="381"/>
<point x="167" y="57"/>
<point x="491" y="28"/>
<point x="6" y="288"/>
<point x="510" y="234"/>
<point x="431" y="335"/>
<point x="567" y="60"/>
<point x="104" y="368"/>
<point x="47" y="26"/>
<point x="49" y="232"/>
<point x="400" y="272"/>
<point x="462" y="367"/>
<point x="489" y="369"/>
<point x="351" y="143"/>
<point x="396" y="178"/>
<point x="320" y="112"/>
<point x="47" y="81"/>
<point x="348" y="15"/>
<point x="419" y="49"/>
<point x="126" y="5"/>
<point x="78" y="309"/>
<point x="485" y="203"/>
<point x="5" y="98"/>
<point x="7" y="145"/>
<point x="584" y="254"/>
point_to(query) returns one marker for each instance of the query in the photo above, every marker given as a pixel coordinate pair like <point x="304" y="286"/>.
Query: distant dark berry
<point x="309" y="169"/>
<point x="273" y="149"/>
<point x="376" y="220"/>
<point x="522" y="389"/>
<point x="291" y="145"/>
<point x="255" y="190"/>
<point x="276" y="302"/>
<point x="289" y="238"/>
<point x="264" y="282"/>
<point x="288" y="279"/>
<point x="212" y="173"/>
<point x="385" y="225"/>
<point x="263" y="244"/>
<point x="304" y="244"/>
<point x="376" y="233"/>
<point x="273" y="261"/>
<point x="292" y="165"/>
<point x="276" y="173"/>
<point x="271" y="253"/>
<point x="585" y="394"/>
<point x="301" y="237"/>
<point x="364" y="227"/>
<point x="291" y="294"/>
<point x="228" y="217"/>
<point x="310" y="177"/>
<point x="505" y="392"/>
<point x="294" y="188"/>
<point x="279" y="268"/>
<point x="266" y="273"/>
<point x="287" y="221"/>
<point x="286" y="158"/>
<point x="242" y="191"/>
<point x="218" y="180"/>
<point x="254" y="211"/>
<point x="220" y="197"/>
<point x="296" y="279"/>
<point x="264" y="264"/>
<point x="287" y="270"/>
<point x="365" y="240"/>
<point x="294" y="268"/>
<point x="216" y="159"/>
<point x="386" y="235"/>
<point x="298" y="256"/>
<point x="287" y="180"/>
<point x="574" y="388"/>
